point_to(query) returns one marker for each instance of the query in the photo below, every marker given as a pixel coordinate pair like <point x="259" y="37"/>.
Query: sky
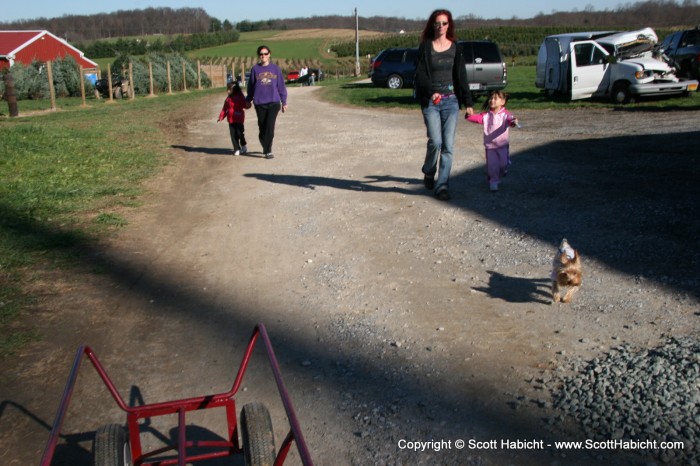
<point x="280" y="9"/>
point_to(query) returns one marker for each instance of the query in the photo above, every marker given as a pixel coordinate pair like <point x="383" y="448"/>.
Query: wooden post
<point x="52" y="89"/>
<point x="199" y="75"/>
<point x="94" y="87"/>
<point x="109" y="82"/>
<point x="132" y="94"/>
<point x="184" y="77"/>
<point x="82" y="86"/>
<point x="150" y="79"/>
<point x="243" y="83"/>
<point x="10" y="95"/>
<point x="170" y="85"/>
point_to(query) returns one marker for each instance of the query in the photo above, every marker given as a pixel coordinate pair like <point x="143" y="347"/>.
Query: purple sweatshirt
<point x="266" y="85"/>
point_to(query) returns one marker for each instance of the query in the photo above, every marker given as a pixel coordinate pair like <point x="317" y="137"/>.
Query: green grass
<point x="299" y="48"/>
<point x="66" y="178"/>
<point x="521" y="87"/>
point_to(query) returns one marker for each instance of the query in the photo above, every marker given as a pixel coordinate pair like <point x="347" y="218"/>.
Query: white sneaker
<point x="493" y="186"/>
<point x="237" y="152"/>
<point x="244" y="150"/>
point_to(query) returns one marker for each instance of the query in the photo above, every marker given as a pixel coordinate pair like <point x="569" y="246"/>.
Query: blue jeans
<point x="441" y="122"/>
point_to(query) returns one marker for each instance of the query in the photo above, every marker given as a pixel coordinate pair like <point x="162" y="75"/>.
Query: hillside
<point x="149" y="21"/>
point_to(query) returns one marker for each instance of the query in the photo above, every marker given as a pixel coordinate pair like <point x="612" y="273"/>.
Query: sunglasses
<point x="441" y="23"/>
<point x="261" y="54"/>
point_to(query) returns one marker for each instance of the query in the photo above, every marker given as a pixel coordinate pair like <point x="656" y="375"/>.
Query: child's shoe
<point x="493" y="186"/>
<point x="244" y="150"/>
<point x="236" y="152"/>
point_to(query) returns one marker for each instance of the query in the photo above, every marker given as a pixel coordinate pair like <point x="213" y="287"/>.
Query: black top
<point x="424" y="78"/>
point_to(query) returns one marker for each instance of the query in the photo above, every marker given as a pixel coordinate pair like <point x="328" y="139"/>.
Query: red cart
<point x="116" y="446"/>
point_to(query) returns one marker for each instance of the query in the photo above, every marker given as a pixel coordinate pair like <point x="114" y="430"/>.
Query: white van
<point x="616" y="65"/>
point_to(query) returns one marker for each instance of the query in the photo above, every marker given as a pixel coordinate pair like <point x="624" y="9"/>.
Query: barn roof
<point x="12" y="42"/>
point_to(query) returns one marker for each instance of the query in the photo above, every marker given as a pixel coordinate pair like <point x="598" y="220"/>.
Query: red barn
<point x="27" y="46"/>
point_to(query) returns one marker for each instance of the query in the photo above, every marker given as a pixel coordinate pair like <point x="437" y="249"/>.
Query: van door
<point x="590" y="70"/>
<point x="553" y="66"/>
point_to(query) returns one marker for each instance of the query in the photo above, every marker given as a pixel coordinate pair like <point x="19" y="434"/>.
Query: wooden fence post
<point x="52" y="89"/>
<point x="132" y="94"/>
<point x="109" y="82"/>
<point x="184" y="77"/>
<point x="150" y="79"/>
<point x="82" y="86"/>
<point x="11" y="95"/>
<point x="199" y="75"/>
<point x="170" y="85"/>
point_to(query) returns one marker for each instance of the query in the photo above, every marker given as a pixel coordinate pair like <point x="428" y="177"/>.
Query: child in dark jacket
<point x="234" y="111"/>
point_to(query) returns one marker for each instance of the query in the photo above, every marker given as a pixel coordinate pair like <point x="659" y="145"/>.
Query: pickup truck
<point x="683" y="48"/>
<point x="615" y="65"/>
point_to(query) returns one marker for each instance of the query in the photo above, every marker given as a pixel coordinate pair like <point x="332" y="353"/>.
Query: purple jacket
<point x="495" y="127"/>
<point x="266" y="85"/>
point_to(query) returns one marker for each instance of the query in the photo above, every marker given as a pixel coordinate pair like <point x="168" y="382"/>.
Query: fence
<point x="218" y="74"/>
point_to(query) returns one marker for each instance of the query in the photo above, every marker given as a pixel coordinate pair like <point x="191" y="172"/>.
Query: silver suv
<point x="486" y="69"/>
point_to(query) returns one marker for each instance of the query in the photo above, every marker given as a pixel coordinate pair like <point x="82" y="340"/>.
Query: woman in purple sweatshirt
<point x="267" y="91"/>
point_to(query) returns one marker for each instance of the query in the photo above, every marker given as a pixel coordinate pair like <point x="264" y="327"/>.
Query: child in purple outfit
<point x="496" y="122"/>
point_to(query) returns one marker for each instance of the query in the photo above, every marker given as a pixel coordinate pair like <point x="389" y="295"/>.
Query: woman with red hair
<point x="441" y="89"/>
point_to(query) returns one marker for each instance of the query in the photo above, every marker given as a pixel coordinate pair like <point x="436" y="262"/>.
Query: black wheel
<point x="111" y="446"/>
<point x="394" y="82"/>
<point x="621" y="93"/>
<point x="258" y="438"/>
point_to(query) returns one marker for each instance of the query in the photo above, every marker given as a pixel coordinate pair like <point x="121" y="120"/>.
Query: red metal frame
<point x="181" y="407"/>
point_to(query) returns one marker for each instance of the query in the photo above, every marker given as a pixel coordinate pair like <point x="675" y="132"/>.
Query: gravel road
<point x="397" y="318"/>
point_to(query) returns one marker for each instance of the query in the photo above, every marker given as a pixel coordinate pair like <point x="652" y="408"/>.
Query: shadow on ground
<point x="643" y="188"/>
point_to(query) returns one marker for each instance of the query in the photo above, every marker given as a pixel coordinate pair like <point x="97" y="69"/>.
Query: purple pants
<point x="497" y="161"/>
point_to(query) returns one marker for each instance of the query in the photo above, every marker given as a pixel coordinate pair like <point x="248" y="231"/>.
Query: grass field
<point x="65" y="179"/>
<point x="521" y="87"/>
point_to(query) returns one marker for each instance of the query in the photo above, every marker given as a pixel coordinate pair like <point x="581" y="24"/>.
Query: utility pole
<point x="357" y="45"/>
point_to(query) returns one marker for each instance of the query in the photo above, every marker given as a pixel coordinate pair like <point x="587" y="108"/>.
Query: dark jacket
<point x="423" y="80"/>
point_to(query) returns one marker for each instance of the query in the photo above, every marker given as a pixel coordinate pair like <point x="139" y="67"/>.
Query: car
<point x="394" y="68"/>
<point x="305" y="80"/>
<point x="683" y="49"/>
<point x="606" y="64"/>
<point x="292" y="76"/>
<point x="486" y="70"/>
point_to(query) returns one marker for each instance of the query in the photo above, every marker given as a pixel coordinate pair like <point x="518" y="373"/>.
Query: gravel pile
<point x="631" y="394"/>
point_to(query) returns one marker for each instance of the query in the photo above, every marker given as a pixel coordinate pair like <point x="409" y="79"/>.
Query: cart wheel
<point x="258" y="438"/>
<point x="111" y="447"/>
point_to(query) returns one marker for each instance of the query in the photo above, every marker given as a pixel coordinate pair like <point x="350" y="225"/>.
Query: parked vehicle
<point x="294" y="78"/>
<point x="486" y="69"/>
<point x="615" y="65"/>
<point x="683" y="49"/>
<point x="394" y="68"/>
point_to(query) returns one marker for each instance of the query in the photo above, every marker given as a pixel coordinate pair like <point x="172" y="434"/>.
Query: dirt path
<point x="394" y="315"/>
